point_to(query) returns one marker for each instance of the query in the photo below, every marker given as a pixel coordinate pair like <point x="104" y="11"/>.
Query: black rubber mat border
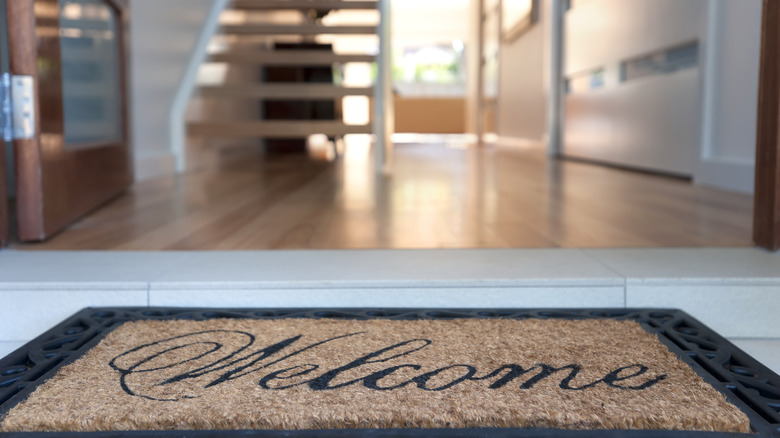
<point x="746" y="383"/>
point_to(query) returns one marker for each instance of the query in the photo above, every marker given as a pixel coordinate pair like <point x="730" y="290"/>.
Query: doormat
<point x="297" y="374"/>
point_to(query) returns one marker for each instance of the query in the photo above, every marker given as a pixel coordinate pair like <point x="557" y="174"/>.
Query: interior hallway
<point x="438" y="197"/>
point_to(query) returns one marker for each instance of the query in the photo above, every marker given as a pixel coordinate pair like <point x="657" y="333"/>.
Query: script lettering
<point x="186" y="366"/>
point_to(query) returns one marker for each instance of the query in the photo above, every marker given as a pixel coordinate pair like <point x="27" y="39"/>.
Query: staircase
<point x="249" y="29"/>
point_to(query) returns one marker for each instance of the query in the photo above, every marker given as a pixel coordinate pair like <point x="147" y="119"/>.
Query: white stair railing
<point x="384" y="111"/>
<point x="383" y="123"/>
<point x="177" y="125"/>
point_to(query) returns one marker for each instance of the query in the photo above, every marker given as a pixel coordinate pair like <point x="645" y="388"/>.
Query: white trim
<point x="734" y="176"/>
<point x="177" y="123"/>
<point x="517" y="143"/>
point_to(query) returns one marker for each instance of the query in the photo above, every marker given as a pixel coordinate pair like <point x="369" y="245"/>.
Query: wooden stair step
<point x="296" y="57"/>
<point x="275" y="128"/>
<point x="303" y="29"/>
<point x="284" y="91"/>
<point x="301" y="4"/>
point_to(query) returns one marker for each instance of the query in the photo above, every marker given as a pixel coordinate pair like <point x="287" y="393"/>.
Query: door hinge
<point x="17" y="99"/>
<point x="5" y="103"/>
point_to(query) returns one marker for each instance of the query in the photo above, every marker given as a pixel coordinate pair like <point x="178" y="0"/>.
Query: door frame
<point x="766" y="210"/>
<point x="20" y="17"/>
<point x="56" y="185"/>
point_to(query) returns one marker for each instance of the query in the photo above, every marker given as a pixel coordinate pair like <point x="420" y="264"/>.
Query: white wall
<point x="163" y="35"/>
<point x="522" y="102"/>
<point x="652" y="122"/>
<point x="602" y="32"/>
<point x="731" y="96"/>
<point x="699" y="122"/>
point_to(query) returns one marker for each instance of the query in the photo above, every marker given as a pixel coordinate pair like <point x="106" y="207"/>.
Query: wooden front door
<point x="78" y="155"/>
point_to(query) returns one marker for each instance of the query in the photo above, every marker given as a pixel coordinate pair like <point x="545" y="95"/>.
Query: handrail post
<point x="384" y="112"/>
<point x="176" y="121"/>
<point x="555" y="99"/>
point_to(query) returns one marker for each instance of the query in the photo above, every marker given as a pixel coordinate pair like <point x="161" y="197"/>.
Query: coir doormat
<point x="294" y="374"/>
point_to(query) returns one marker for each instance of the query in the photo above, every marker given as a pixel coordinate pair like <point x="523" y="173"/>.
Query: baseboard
<point x="727" y="175"/>
<point x="154" y="166"/>
<point x="516" y="142"/>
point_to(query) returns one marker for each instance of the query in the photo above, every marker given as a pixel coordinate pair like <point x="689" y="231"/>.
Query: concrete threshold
<point x="736" y="291"/>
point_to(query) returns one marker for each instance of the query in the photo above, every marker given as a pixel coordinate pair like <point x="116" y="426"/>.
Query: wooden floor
<point x="438" y="197"/>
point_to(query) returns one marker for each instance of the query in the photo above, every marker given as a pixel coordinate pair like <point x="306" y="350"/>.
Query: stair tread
<point x="303" y="29"/>
<point x="312" y="57"/>
<point x="275" y="128"/>
<point x="301" y="4"/>
<point x="284" y="91"/>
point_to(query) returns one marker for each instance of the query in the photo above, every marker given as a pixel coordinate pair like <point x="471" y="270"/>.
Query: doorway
<point x="553" y="172"/>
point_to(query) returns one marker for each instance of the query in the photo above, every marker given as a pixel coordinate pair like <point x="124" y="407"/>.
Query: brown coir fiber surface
<point x="322" y="374"/>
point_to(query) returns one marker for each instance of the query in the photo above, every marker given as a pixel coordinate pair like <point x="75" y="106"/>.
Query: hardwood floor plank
<point x="438" y="197"/>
